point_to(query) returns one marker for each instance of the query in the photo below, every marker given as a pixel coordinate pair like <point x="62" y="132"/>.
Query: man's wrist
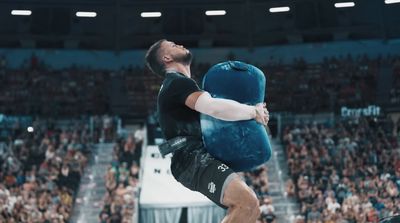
<point x="254" y="112"/>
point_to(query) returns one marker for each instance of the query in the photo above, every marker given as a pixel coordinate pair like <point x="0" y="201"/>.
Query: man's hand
<point x="262" y="114"/>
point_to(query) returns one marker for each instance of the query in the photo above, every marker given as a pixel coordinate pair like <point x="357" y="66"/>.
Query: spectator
<point x="267" y="211"/>
<point x="290" y="188"/>
<point x="314" y="216"/>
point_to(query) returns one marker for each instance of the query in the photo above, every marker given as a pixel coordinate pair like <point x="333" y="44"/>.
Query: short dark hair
<point x="153" y="61"/>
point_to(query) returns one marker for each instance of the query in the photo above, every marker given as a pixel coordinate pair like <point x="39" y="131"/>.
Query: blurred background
<point x="79" y="127"/>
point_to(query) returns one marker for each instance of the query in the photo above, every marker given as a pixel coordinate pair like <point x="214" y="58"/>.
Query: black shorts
<point x="197" y="170"/>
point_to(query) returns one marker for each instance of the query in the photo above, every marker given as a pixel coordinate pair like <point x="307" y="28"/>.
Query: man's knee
<point x="239" y="195"/>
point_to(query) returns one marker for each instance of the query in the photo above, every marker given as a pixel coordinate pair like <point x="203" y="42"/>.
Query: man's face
<point x="171" y="52"/>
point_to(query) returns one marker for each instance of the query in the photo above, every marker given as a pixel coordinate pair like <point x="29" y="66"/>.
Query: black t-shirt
<point x="175" y="118"/>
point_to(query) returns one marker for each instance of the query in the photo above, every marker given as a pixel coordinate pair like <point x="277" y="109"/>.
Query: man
<point x="180" y="102"/>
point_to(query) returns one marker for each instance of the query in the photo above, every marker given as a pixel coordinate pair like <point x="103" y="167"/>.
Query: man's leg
<point x="242" y="203"/>
<point x="201" y="172"/>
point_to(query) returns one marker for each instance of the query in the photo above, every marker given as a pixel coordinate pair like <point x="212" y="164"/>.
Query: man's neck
<point x="177" y="67"/>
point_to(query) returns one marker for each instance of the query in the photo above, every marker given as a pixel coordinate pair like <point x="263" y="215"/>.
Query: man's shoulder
<point x="169" y="82"/>
<point x="171" y="77"/>
<point x="176" y="80"/>
<point x="177" y="77"/>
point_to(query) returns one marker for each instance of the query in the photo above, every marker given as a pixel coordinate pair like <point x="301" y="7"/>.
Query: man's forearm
<point x="230" y="110"/>
<point x="224" y="109"/>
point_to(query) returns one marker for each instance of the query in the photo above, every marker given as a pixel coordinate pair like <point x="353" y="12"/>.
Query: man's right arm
<point x="224" y="109"/>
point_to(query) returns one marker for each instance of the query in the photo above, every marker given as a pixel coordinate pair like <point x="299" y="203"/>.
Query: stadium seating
<point x="122" y="179"/>
<point x="40" y="172"/>
<point x="346" y="173"/>
<point x="70" y="92"/>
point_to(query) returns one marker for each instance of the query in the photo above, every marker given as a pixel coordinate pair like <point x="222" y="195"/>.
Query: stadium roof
<point x="118" y="24"/>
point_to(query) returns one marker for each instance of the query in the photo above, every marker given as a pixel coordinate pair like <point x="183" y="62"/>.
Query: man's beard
<point x="185" y="59"/>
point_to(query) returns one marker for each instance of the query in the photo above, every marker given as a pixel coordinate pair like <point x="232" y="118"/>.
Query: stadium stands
<point x="341" y="81"/>
<point x="350" y="172"/>
<point x="122" y="180"/>
<point x="42" y="91"/>
<point x="346" y="173"/>
<point x="40" y="172"/>
<point x="79" y="123"/>
<point x="337" y="82"/>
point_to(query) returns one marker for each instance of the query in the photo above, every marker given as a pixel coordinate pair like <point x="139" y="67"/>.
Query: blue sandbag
<point x="242" y="145"/>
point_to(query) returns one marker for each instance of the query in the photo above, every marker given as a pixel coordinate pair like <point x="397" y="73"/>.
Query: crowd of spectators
<point x="40" y="172"/>
<point x="338" y="81"/>
<point x="346" y="173"/>
<point x="121" y="180"/>
<point x="37" y="89"/>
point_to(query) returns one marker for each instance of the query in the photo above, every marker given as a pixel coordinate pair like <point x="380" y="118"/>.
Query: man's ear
<point x="166" y="58"/>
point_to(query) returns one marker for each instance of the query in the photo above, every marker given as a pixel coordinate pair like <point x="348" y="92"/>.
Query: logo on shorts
<point x="211" y="187"/>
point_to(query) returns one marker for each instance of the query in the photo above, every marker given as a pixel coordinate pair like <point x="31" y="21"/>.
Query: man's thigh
<point x="237" y="192"/>
<point x="205" y="174"/>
